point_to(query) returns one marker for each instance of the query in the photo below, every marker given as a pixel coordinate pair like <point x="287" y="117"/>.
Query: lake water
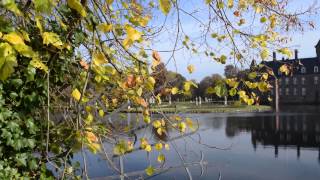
<point x="262" y="146"/>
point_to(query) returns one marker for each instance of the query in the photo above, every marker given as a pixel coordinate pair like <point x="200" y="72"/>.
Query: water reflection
<point x="287" y="131"/>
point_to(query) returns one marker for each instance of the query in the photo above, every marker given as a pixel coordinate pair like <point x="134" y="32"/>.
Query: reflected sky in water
<point x="262" y="146"/>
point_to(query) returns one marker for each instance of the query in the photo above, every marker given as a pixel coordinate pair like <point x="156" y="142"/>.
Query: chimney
<point x="296" y="54"/>
<point x="274" y="56"/>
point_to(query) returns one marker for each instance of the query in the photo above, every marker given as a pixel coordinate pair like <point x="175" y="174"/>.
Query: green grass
<point x="204" y="108"/>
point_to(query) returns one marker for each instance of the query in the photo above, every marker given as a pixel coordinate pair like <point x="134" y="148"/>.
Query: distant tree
<point x="207" y="82"/>
<point x="230" y="71"/>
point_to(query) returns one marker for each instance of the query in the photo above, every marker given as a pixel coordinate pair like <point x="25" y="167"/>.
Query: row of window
<point x="295" y="91"/>
<point x="304" y="70"/>
<point x="295" y="80"/>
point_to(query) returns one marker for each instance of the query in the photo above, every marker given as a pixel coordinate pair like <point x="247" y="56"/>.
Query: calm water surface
<point x="262" y="146"/>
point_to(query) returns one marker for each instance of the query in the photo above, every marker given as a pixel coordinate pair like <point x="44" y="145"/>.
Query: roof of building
<point x="297" y="64"/>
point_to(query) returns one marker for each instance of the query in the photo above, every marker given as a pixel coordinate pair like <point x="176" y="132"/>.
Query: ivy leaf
<point x="165" y="6"/>
<point x="37" y="63"/>
<point x="264" y="54"/>
<point x="44" y="6"/>
<point x="76" y="5"/>
<point x="11" y="6"/>
<point x="13" y="38"/>
<point x="7" y="65"/>
<point x="52" y="38"/>
<point x="232" y="92"/>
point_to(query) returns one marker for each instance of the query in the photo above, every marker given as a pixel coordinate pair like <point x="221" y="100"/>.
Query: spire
<point x="253" y="64"/>
<point x="318" y="49"/>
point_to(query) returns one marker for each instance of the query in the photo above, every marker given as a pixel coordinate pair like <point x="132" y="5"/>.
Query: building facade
<point x="302" y="86"/>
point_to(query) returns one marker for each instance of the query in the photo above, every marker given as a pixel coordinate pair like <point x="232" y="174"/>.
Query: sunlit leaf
<point x="76" y="94"/>
<point x="190" y="68"/>
<point x="76" y="5"/>
<point x="174" y="90"/>
<point x="13" y="38"/>
<point x="150" y="171"/>
<point x="165" y="6"/>
<point x="161" y="158"/>
<point x="52" y="38"/>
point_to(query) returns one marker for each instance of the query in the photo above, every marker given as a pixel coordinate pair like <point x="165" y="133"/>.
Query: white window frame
<point x="315" y="69"/>
<point x="295" y="91"/>
<point x="303" y="70"/>
<point x="316" y="79"/>
<point x="287" y="80"/>
<point x="303" y="80"/>
<point x="287" y="91"/>
<point x="303" y="91"/>
<point x="294" y="80"/>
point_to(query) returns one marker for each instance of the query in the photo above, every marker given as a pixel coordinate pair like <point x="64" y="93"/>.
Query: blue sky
<point x="303" y="41"/>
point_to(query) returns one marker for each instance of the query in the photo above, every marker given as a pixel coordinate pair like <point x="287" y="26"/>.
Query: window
<point x="294" y="80"/>
<point x="287" y="80"/>
<point x="303" y="91"/>
<point x="295" y="91"/>
<point x="303" y="70"/>
<point x="315" y="69"/>
<point x="280" y="81"/>
<point x="280" y="92"/>
<point x="303" y="80"/>
<point x="287" y="92"/>
<point x="316" y="79"/>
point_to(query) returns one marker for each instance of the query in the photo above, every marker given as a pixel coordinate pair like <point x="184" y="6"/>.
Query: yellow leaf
<point x="37" y="63"/>
<point x="13" y="38"/>
<point x="284" y="69"/>
<point x="52" y="38"/>
<point x="91" y="137"/>
<point x="264" y="54"/>
<point x="156" y="124"/>
<point x="104" y="27"/>
<point x="190" y="68"/>
<point x="161" y="158"/>
<point x="174" y="91"/>
<point x="273" y="21"/>
<point x="165" y="6"/>
<point x="89" y="119"/>
<point x="182" y="126"/>
<point x="285" y="51"/>
<point x="149" y="171"/>
<point x="230" y="3"/>
<point x="24" y="50"/>
<point x="76" y="94"/>
<point x="38" y="23"/>
<point x="167" y="147"/>
<point x="158" y="146"/>
<point x="94" y="147"/>
<point x="76" y="5"/>
<point x="11" y="6"/>
<point x="148" y="148"/>
<point x="98" y="58"/>
<point x="132" y="35"/>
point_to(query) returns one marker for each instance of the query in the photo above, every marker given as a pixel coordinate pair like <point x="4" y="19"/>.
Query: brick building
<point x="303" y="85"/>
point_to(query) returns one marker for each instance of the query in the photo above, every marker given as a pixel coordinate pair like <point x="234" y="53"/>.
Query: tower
<point x="318" y="49"/>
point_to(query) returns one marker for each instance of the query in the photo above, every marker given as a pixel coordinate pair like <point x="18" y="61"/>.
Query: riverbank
<point x="204" y="108"/>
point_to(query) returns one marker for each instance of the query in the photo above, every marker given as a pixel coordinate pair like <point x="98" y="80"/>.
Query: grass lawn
<point x="204" y="108"/>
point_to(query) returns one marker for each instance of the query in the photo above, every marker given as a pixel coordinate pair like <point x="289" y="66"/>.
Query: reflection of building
<point x="284" y="131"/>
<point x="304" y="84"/>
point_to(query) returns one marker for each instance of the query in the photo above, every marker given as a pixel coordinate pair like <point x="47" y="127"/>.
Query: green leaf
<point x="252" y="75"/>
<point x="76" y="5"/>
<point x="165" y="6"/>
<point x="7" y="61"/>
<point x="232" y="92"/>
<point x="11" y="6"/>
<point x="44" y="6"/>
<point x="220" y="90"/>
